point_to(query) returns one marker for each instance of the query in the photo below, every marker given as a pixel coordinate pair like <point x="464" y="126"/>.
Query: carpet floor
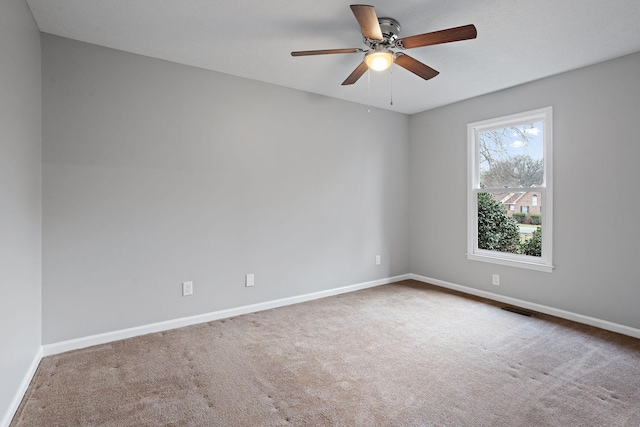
<point x="406" y="354"/>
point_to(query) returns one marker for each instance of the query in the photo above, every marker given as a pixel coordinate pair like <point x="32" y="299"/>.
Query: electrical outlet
<point x="377" y="259"/>
<point x="187" y="288"/>
<point x="249" y="280"/>
<point x="496" y="279"/>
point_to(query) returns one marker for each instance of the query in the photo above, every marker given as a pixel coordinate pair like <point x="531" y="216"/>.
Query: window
<point x="512" y="207"/>
<point x="505" y="156"/>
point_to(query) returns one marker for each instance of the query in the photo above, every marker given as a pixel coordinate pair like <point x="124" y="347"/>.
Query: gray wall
<point x="20" y="196"/>
<point x="157" y="173"/>
<point x="596" y="192"/>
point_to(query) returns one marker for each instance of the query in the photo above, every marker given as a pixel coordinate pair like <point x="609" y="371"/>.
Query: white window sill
<point x="511" y="262"/>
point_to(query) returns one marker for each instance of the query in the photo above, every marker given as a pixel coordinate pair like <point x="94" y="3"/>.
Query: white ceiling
<point x="518" y="41"/>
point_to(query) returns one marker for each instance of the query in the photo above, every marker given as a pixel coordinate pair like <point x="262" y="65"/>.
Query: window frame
<point x="544" y="262"/>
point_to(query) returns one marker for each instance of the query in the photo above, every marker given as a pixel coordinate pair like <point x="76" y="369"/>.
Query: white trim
<point x="61" y="347"/>
<point x="546" y="196"/>
<point x="22" y="389"/>
<point x="579" y="318"/>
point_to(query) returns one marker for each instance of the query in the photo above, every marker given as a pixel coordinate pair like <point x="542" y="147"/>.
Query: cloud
<point x="527" y="131"/>
<point x="519" y="144"/>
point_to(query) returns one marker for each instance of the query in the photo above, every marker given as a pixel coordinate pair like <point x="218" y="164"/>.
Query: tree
<point x="496" y="230"/>
<point x="493" y="146"/>
<point x="516" y="171"/>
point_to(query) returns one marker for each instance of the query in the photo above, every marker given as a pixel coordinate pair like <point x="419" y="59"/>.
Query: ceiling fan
<point x="381" y="35"/>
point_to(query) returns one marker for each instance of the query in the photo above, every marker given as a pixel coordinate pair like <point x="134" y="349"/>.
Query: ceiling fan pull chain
<point x="391" y="80"/>
<point x="369" y="91"/>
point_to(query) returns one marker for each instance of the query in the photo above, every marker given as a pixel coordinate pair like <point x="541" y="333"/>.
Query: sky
<point x="532" y="146"/>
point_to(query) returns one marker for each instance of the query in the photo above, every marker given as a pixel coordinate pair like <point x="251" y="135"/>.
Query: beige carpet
<point x="405" y="354"/>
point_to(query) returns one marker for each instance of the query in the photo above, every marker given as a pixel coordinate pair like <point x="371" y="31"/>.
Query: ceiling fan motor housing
<point x="390" y="29"/>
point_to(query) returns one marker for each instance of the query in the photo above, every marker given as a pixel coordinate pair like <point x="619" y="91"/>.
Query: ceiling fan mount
<point x="381" y="36"/>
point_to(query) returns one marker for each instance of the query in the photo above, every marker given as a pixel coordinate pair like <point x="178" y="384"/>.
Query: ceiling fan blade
<point x="325" y="51"/>
<point x="465" y="32"/>
<point x="415" y="66"/>
<point x="368" y="21"/>
<point x="356" y="74"/>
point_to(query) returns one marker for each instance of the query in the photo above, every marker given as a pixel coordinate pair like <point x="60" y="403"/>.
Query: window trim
<point x="544" y="262"/>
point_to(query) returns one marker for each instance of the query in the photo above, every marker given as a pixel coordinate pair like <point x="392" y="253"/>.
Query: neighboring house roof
<point x="511" y="198"/>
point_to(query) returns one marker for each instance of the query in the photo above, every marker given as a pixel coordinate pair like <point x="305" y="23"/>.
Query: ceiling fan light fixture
<point x="379" y="59"/>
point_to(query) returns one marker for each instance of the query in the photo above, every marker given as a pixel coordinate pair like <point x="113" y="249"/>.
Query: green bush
<point x="533" y="246"/>
<point x="536" y="218"/>
<point x="519" y="217"/>
<point x="496" y="230"/>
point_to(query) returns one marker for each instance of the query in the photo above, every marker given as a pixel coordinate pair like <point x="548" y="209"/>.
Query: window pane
<point x="511" y="156"/>
<point x="502" y="229"/>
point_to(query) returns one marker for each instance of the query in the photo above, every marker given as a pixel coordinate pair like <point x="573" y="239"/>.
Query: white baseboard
<point x="24" y="385"/>
<point x="592" y="321"/>
<point x="107" y="337"/>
